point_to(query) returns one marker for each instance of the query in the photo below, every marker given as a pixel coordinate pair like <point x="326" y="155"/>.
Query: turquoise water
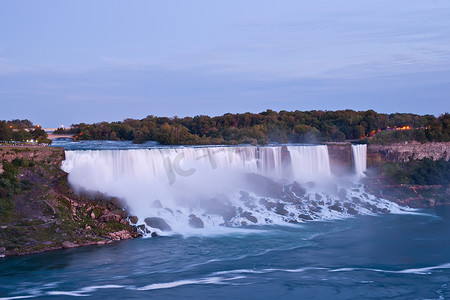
<point x="388" y="256"/>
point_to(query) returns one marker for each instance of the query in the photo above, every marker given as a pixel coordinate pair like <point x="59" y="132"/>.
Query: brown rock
<point x="68" y="245"/>
<point x="134" y="219"/>
<point x="110" y="217"/>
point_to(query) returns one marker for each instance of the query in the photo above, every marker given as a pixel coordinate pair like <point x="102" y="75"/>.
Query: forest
<point x="272" y="127"/>
<point x="21" y="131"/>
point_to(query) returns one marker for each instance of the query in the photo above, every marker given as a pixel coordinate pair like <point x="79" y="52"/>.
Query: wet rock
<point x="134" y="219"/>
<point x="304" y="217"/>
<point x="318" y="196"/>
<point x="385" y="210"/>
<point x="356" y="200"/>
<point x="280" y="209"/>
<point x="2" y="250"/>
<point x="157" y="204"/>
<point x="352" y="211"/>
<point x="195" y="222"/>
<point x="68" y="245"/>
<point x="154" y="234"/>
<point x="371" y="207"/>
<point x="293" y="221"/>
<point x="268" y="204"/>
<point x="159" y="223"/>
<point x="335" y="207"/>
<point x="298" y="189"/>
<point x="250" y="217"/>
<point x="315" y="209"/>
<point x="221" y="207"/>
<point x="243" y="223"/>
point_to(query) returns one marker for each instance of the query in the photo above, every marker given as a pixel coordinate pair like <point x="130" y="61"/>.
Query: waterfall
<point x="222" y="187"/>
<point x="359" y="155"/>
<point x="310" y="162"/>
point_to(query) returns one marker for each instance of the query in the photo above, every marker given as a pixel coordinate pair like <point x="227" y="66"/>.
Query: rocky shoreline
<point x="46" y="215"/>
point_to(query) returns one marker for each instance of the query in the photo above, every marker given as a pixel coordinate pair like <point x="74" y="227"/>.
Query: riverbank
<point x="39" y="211"/>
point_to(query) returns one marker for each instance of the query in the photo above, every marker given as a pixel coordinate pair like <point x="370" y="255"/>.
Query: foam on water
<point x="225" y="187"/>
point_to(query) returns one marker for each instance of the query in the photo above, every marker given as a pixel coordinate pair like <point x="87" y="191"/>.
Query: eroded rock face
<point x="401" y="152"/>
<point x="158" y="223"/>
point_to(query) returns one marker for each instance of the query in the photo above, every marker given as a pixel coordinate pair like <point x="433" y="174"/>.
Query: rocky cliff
<point x="39" y="211"/>
<point x="401" y="152"/>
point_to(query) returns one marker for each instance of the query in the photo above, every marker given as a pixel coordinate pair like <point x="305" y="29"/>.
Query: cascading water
<point x="359" y="154"/>
<point x="222" y="187"/>
<point x="310" y="162"/>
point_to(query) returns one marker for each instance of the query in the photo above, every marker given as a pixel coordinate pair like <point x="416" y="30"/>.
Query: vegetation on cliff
<point x="418" y="172"/>
<point x="38" y="210"/>
<point x="271" y="126"/>
<point x="420" y="183"/>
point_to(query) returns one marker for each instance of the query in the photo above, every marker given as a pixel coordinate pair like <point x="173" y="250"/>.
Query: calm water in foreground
<point x="373" y="257"/>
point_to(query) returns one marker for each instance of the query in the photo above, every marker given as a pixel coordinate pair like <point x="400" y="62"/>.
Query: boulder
<point x="159" y="223"/>
<point x="221" y="207"/>
<point x="120" y="235"/>
<point x="68" y="245"/>
<point x="2" y="250"/>
<point x="110" y="217"/>
<point x="298" y="189"/>
<point x="251" y="218"/>
<point x="280" y="209"/>
<point x="134" y="219"/>
<point x="305" y="217"/>
<point x="195" y="222"/>
<point x="119" y="212"/>
<point x="335" y="207"/>
<point x="352" y="211"/>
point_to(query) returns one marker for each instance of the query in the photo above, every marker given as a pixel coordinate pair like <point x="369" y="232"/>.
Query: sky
<point x="67" y="62"/>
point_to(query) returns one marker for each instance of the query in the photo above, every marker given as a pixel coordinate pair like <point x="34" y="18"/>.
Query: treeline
<point x="22" y="131"/>
<point x="269" y="127"/>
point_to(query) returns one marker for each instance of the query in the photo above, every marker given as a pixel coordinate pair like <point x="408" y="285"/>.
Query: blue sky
<point x="64" y="62"/>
